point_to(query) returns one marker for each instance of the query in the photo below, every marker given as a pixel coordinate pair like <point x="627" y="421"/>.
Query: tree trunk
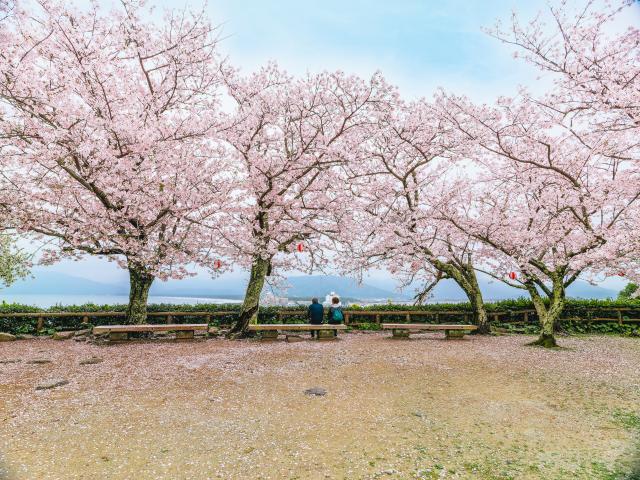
<point x="479" y="312"/>
<point x="249" y="310"/>
<point x="465" y="277"/>
<point x="548" y="315"/>
<point x="547" y="338"/>
<point x="139" y="284"/>
<point x="472" y="289"/>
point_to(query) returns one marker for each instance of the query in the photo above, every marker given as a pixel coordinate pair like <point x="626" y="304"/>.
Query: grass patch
<point x="628" y="419"/>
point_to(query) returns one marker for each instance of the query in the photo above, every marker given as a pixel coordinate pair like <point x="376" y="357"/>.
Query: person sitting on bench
<point x="335" y="315"/>
<point x="315" y="313"/>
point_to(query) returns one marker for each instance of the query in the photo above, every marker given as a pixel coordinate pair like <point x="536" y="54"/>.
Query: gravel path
<point x="484" y="407"/>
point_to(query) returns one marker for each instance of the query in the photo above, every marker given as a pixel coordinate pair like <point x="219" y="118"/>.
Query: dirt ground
<point x="483" y="407"/>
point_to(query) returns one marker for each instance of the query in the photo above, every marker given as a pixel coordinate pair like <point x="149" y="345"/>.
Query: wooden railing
<point x="466" y="316"/>
<point x="378" y="314"/>
<point x="348" y="315"/>
<point x="86" y="315"/>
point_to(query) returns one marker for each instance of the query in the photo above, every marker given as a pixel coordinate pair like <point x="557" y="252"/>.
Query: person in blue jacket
<point x="315" y="314"/>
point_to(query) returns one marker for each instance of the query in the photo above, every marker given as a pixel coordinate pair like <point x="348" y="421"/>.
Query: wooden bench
<point x="270" y="331"/>
<point x="183" y="331"/>
<point x="403" y="330"/>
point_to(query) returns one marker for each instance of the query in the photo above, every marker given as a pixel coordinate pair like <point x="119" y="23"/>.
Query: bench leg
<point x="184" y="334"/>
<point x="397" y="333"/>
<point x="452" y="334"/>
<point x="268" y="335"/>
<point x="326" y="335"/>
<point x="118" y="336"/>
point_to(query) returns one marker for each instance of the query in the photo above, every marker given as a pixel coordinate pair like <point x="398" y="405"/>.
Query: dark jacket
<point x="330" y="315"/>
<point x="315" y="313"/>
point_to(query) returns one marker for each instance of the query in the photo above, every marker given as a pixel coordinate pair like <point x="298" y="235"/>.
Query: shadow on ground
<point x="4" y="469"/>
<point x="634" y="473"/>
<point x="630" y="464"/>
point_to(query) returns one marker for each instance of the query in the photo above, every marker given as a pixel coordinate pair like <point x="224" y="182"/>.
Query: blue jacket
<point x="315" y="313"/>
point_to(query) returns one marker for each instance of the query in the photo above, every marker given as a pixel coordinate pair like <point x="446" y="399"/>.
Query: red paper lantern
<point x="217" y="264"/>
<point x="621" y="274"/>
<point x="300" y="247"/>
<point x="512" y="275"/>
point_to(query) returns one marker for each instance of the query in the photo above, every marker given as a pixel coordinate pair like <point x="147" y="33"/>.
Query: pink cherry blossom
<point x="110" y="126"/>
<point x="287" y="136"/>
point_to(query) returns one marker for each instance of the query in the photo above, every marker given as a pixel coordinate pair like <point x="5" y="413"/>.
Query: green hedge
<point x="514" y="321"/>
<point x="28" y="325"/>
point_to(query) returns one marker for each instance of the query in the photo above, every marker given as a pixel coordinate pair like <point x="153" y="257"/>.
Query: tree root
<point x="546" y="341"/>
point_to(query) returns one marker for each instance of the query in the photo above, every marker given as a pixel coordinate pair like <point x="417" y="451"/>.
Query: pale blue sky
<point x="418" y="45"/>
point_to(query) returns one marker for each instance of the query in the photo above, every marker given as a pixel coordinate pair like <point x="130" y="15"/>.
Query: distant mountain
<point x="202" y="286"/>
<point x="308" y="286"/>
<point x="581" y="289"/>
<point x="305" y="286"/>
<point x="44" y="282"/>
<point x="448" y="290"/>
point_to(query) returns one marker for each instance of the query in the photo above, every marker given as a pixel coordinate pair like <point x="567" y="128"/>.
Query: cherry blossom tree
<point x="592" y="52"/>
<point x="393" y="189"/>
<point x="14" y="262"/>
<point x="108" y="124"/>
<point x="288" y="134"/>
<point x="543" y="204"/>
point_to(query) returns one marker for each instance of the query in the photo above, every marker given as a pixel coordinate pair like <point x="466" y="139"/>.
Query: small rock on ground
<point x="52" y="384"/>
<point x="91" y="361"/>
<point x="316" y="391"/>
<point x="63" y="335"/>
<point x="7" y="337"/>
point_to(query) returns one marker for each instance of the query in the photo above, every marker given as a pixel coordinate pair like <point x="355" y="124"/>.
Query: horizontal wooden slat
<point x="295" y="326"/>
<point x="301" y="313"/>
<point x="610" y="320"/>
<point x="406" y="312"/>
<point x="65" y="314"/>
<point x="189" y="314"/>
<point x="596" y="319"/>
<point x="425" y="326"/>
<point x="111" y="314"/>
<point x="150" y="328"/>
<point x="614" y="309"/>
<point x="384" y="312"/>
